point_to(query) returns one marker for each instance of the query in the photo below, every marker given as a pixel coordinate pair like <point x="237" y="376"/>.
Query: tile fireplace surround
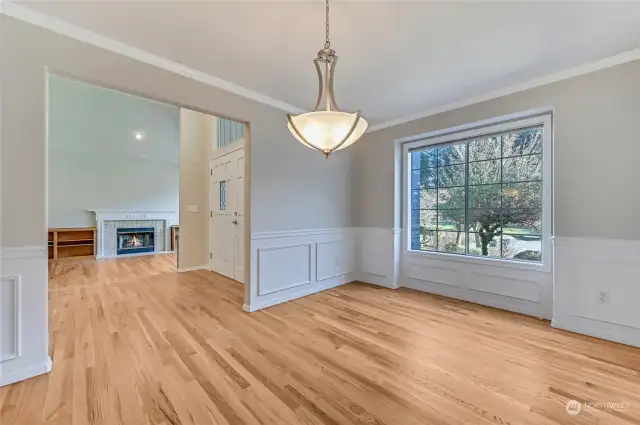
<point x="108" y="221"/>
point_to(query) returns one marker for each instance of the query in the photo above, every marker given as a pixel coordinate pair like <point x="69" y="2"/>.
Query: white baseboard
<point x="481" y="298"/>
<point x="302" y="292"/>
<point x="377" y="280"/>
<point x="598" y="329"/>
<point x="31" y="372"/>
<point x="192" y="268"/>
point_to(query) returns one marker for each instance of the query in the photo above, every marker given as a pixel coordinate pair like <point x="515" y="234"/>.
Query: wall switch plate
<point x="192" y="208"/>
<point x="603" y="298"/>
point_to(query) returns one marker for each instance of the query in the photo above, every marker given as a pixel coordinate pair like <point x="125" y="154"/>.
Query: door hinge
<point x="211" y="171"/>
<point x="211" y="213"/>
<point x="210" y="256"/>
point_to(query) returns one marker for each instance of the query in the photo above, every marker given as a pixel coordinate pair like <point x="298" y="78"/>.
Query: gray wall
<point x="596" y="147"/>
<point x="95" y="161"/>
<point x="292" y="187"/>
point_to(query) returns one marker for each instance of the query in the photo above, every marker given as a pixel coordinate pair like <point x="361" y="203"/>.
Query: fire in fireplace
<point x="135" y="240"/>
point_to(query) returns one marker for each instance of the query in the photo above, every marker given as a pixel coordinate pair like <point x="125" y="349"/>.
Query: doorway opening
<point x="213" y="190"/>
<point x="130" y="179"/>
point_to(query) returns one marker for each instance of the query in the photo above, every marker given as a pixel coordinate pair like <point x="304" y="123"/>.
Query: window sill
<point x="487" y="262"/>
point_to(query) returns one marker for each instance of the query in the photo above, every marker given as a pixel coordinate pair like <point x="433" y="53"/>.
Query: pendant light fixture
<point x="327" y="129"/>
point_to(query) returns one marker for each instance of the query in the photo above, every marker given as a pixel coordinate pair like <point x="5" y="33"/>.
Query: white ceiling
<point x="396" y="59"/>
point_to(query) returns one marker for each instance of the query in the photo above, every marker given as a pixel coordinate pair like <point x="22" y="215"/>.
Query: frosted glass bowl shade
<point x="326" y="129"/>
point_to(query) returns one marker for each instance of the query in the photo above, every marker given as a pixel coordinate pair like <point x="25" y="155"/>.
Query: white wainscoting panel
<point x="10" y="316"/>
<point x="292" y="264"/>
<point x="522" y="285"/>
<point x="283" y="267"/>
<point x="525" y="289"/>
<point x="23" y="313"/>
<point x="437" y="274"/>
<point x="333" y="258"/>
<point x="587" y="267"/>
<point x="522" y="291"/>
<point x="379" y="259"/>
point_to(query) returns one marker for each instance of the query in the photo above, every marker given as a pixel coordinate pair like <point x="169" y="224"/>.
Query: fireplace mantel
<point x="103" y="216"/>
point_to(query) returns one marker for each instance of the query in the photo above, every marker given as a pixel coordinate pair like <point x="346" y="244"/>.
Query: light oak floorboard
<point x="135" y="342"/>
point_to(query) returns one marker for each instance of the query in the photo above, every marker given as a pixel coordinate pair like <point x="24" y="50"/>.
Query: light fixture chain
<point x="327" y="43"/>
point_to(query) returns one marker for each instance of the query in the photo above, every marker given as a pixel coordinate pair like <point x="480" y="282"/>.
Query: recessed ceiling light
<point x="138" y="135"/>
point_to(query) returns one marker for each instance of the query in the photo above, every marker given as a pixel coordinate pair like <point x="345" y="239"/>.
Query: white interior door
<point x="227" y="215"/>
<point x="238" y="193"/>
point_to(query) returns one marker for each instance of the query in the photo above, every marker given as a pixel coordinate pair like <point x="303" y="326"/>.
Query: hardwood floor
<point x="70" y="272"/>
<point x="134" y="342"/>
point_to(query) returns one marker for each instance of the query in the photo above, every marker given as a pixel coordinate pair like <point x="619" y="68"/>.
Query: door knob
<point x="235" y="221"/>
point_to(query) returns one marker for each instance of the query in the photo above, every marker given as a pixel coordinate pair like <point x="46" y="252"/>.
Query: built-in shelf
<point x="72" y="242"/>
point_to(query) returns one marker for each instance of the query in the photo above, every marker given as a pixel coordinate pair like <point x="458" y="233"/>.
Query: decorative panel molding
<point x="10" y="318"/>
<point x="292" y="264"/>
<point x="443" y="275"/>
<point x="24" y="337"/>
<point x="283" y="267"/>
<point x="333" y="258"/>
<point x="505" y="285"/>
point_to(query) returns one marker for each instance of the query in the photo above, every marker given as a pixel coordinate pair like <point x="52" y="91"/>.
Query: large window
<point x="479" y="195"/>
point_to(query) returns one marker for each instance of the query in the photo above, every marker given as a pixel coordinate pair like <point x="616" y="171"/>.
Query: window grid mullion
<point x="467" y="188"/>
<point x="501" y="189"/>
<point x="506" y="157"/>
<point x="466" y="202"/>
<point x="437" y="199"/>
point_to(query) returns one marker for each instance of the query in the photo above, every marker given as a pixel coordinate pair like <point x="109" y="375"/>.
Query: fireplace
<point x="135" y="240"/>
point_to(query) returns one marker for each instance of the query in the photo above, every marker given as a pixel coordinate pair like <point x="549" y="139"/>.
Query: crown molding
<point x="587" y="68"/>
<point x="58" y="26"/>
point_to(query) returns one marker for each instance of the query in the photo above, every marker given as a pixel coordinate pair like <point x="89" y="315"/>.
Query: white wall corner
<point x="598" y="329"/>
<point x="378" y="251"/>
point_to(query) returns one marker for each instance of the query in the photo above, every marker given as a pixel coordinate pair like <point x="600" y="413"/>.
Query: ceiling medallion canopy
<point x="327" y="129"/>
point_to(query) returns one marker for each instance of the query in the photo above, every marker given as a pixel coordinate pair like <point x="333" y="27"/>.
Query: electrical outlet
<point x="603" y="298"/>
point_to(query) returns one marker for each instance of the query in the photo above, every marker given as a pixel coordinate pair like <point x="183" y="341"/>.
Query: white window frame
<point x="465" y="132"/>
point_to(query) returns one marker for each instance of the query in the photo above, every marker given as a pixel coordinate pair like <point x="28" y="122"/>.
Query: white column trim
<point x="17" y="319"/>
